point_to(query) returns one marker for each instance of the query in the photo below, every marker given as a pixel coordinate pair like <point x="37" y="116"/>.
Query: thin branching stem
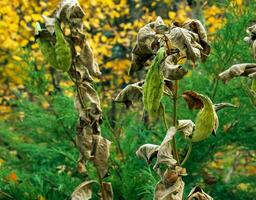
<point x="187" y="155"/>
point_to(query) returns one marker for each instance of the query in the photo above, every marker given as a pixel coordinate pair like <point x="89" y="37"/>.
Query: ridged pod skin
<point x="154" y="85"/>
<point x="46" y="47"/>
<point x="206" y="120"/>
<point x="48" y="51"/>
<point x="62" y="50"/>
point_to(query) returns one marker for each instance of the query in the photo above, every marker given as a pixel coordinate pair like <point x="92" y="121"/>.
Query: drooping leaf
<point x="198" y="194"/>
<point x="68" y="10"/>
<point x="251" y="38"/>
<point x="83" y="191"/>
<point x="101" y="154"/>
<point x="160" y="26"/>
<point x="147" y="44"/>
<point x="130" y="94"/>
<point x="186" y="126"/>
<point x="89" y="103"/>
<point x="84" y="142"/>
<point x="197" y="27"/>
<point x="206" y="120"/>
<point x="164" y="154"/>
<point x="173" y="192"/>
<point x="186" y="42"/>
<point x="172" y="71"/>
<point x="108" y="191"/>
<point x="87" y="59"/>
<point x="220" y="106"/>
<point x="244" y="69"/>
<point x="153" y="88"/>
<point x="49" y="23"/>
<point x="147" y="152"/>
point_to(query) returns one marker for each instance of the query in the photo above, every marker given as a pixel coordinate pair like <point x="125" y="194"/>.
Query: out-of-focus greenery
<point x="37" y="154"/>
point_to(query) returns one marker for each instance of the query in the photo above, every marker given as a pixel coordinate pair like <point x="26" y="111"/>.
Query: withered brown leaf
<point x="101" y="154"/>
<point x="243" y="69"/>
<point x="198" y="194"/>
<point x="83" y="191"/>
<point x="147" y="152"/>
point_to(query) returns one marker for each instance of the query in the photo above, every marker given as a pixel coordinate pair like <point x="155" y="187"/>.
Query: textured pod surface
<point x="206" y="120"/>
<point x="62" y="50"/>
<point x="47" y="49"/>
<point x="154" y="85"/>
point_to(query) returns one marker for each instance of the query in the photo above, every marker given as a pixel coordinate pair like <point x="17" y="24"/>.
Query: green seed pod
<point x="62" y="50"/>
<point x="154" y="85"/>
<point x="206" y="120"/>
<point x="47" y="48"/>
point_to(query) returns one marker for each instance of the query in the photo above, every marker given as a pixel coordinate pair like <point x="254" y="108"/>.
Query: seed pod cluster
<point x="154" y="84"/>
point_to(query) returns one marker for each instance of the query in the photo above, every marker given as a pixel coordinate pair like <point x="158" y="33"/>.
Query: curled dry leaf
<point x="87" y="59"/>
<point x="170" y="176"/>
<point x="196" y="26"/>
<point x="88" y="103"/>
<point x="147" y="44"/>
<point x="147" y="152"/>
<point x="251" y="38"/>
<point x="69" y="10"/>
<point x="101" y="154"/>
<point x="220" y="106"/>
<point x="130" y="94"/>
<point x="198" y="194"/>
<point x="83" y="191"/>
<point x="153" y="88"/>
<point x="80" y="72"/>
<point x="164" y="154"/>
<point x="244" y="69"/>
<point x="206" y="120"/>
<point x="172" y="71"/>
<point x="173" y="192"/>
<point x="160" y="27"/>
<point x="49" y="23"/>
<point x="84" y="142"/>
<point x="108" y="191"/>
<point x="186" y="42"/>
<point x="186" y="126"/>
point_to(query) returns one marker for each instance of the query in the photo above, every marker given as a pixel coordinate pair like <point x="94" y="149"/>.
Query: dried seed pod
<point x="47" y="48"/>
<point x="206" y="120"/>
<point x="154" y="85"/>
<point x="62" y="50"/>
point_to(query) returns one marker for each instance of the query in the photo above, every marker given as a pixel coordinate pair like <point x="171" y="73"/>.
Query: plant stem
<point x="188" y="154"/>
<point x="174" y="147"/>
<point x="101" y="185"/>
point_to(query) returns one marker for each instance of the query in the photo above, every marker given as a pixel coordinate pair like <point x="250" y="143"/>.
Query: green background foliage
<point x="36" y="142"/>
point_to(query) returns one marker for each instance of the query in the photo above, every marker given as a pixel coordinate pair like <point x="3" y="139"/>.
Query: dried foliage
<point x="81" y="66"/>
<point x="244" y="69"/>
